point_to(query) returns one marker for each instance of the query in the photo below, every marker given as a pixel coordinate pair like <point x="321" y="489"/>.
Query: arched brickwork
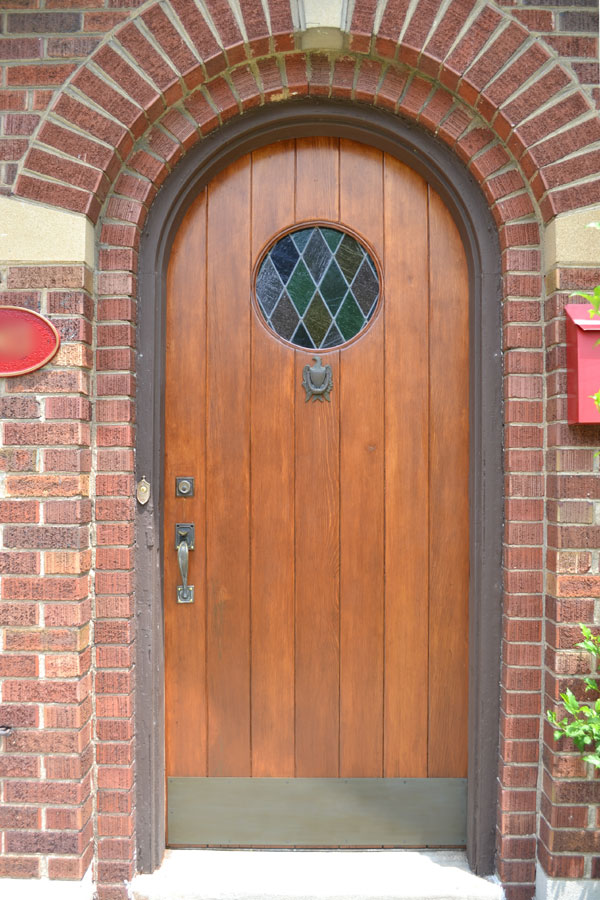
<point x="396" y="87"/>
<point x="113" y="135"/>
<point x="147" y="69"/>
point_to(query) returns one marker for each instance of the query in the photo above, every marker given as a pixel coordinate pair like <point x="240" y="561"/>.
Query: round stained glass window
<point x="317" y="287"/>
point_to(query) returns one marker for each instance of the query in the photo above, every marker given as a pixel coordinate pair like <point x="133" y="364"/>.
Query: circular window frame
<point x="299" y="226"/>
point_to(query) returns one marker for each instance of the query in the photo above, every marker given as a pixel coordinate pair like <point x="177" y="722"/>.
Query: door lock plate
<point x="185" y="531"/>
<point x="184" y="486"/>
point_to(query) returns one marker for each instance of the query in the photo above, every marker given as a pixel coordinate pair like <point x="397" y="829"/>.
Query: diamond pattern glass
<point x="317" y="287"/>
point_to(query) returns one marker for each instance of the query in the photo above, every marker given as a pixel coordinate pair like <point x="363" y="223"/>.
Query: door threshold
<point x="314" y="875"/>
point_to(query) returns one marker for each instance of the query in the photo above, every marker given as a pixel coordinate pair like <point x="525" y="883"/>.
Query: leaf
<point x="593" y="225"/>
<point x="593" y="299"/>
<point x="582" y="723"/>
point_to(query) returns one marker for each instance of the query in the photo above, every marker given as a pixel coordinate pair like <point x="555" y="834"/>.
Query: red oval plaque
<point x="27" y="341"/>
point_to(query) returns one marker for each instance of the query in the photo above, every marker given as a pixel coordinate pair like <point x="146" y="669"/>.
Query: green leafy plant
<point x="593" y="299"/>
<point x="582" y="722"/>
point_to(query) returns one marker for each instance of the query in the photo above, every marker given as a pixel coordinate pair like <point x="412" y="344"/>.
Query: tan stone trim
<point x="323" y="13"/>
<point x="568" y="242"/>
<point x="30" y="233"/>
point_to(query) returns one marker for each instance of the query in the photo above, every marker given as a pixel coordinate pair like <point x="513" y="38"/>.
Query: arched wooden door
<point x="316" y="688"/>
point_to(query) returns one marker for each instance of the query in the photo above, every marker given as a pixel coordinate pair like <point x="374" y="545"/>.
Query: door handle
<point x="184" y="542"/>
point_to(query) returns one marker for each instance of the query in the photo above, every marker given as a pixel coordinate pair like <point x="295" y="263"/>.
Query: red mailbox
<point x="583" y="363"/>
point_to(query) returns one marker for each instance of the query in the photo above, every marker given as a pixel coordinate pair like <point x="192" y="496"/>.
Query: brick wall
<point x="41" y="45"/>
<point x="45" y="605"/>
<point x="569" y="838"/>
<point x="102" y="143"/>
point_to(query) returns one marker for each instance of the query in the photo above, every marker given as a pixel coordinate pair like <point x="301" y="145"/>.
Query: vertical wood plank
<point x="317" y="579"/>
<point x="406" y="472"/>
<point x="449" y="496"/>
<point x="185" y="659"/>
<point x="227" y="495"/>
<point x="317" y="184"/>
<point x="317" y="510"/>
<point x="272" y="491"/>
<point x="361" y="493"/>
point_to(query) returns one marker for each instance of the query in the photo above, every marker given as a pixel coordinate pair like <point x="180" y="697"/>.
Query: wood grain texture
<point x="361" y="493"/>
<point x="185" y="657"/>
<point x="272" y="490"/>
<point x="228" y="475"/>
<point x="317" y="511"/>
<point x="317" y="579"/>
<point x="328" y="636"/>
<point x="449" y="496"/>
<point x="317" y="178"/>
<point x="406" y="472"/>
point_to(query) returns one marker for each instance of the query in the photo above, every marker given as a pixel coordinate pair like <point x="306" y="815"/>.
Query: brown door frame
<point x="448" y="176"/>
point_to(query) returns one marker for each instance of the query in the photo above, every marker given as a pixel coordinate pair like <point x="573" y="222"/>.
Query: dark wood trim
<point x="448" y="176"/>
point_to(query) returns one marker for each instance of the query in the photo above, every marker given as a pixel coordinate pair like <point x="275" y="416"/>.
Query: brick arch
<point x="148" y="75"/>
<point x="144" y="98"/>
<point x="349" y="77"/>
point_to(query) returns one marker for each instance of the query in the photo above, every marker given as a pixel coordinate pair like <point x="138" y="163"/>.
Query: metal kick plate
<point x="317" y="812"/>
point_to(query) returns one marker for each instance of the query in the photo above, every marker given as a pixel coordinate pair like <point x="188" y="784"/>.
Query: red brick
<point x="179" y="125"/>
<point x="12" y="149"/>
<point x="19" y="867"/>
<point x="151" y="62"/>
<point x="19" y="511"/>
<point x="197" y="29"/>
<point x="20" y="124"/>
<point x="447" y="30"/>
<point x="64" y="433"/>
<point x="415" y="97"/>
<point x="296" y="74"/>
<point x="270" y="75"/>
<point x="391" y="87"/>
<point x="68" y="408"/>
<point x="67" y="460"/>
<point x="19" y="817"/>
<point x="67" y="198"/>
<point x="435" y="109"/>
<point x="173" y="44"/>
<point x="467" y="49"/>
<point x="13" y="100"/>
<point x="493" y="58"/>
<point x="567" y="142"/>
<point x="111" y="100"/>
<point x="41" y="74"/>
<point x="65" y="170"/>
<point x="134" y="86"/>
<point x="418" y="30"/>
<point x="343" y="79"/>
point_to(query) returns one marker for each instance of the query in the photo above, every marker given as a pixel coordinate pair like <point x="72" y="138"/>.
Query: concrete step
<point x="314" y="875"/>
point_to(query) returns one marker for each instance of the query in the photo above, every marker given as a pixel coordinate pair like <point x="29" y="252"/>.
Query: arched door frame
<point x="448" y="176"/>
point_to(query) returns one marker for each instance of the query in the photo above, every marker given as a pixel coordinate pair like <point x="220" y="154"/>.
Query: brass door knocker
<point x="317" y="381"/>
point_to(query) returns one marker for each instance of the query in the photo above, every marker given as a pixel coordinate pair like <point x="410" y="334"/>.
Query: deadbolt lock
<point x="184" y="486"/>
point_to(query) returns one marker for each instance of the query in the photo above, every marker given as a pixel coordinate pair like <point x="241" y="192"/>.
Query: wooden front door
<point x="319" y="678"/>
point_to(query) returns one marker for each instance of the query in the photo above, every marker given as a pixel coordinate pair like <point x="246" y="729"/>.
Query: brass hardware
<point x="184" y="487"/>
<point x="317" y="381"/>
<point x="143" y="491"/>
<point x="184" y="542"/>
